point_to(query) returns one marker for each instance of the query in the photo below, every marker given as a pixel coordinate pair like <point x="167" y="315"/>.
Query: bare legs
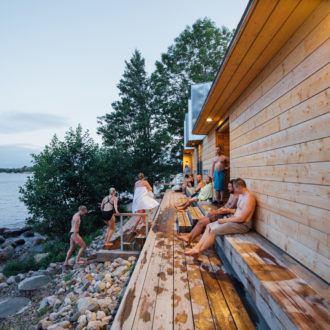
<point x="110" y="230"/>
<point x="202" y="222"/>
<point x="186" y="204"/>
<point x="219" y="196"/>
<point x="74" y="241"/>
<point x="205" y="243"/>
<point x="138" y="220"/>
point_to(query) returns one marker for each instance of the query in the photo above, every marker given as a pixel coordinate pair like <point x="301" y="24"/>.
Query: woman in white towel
<point x="143" y="199"/>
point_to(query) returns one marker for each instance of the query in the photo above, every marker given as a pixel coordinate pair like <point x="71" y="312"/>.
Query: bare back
<point x="143" y="183"/>
<point x="75" y="223"/>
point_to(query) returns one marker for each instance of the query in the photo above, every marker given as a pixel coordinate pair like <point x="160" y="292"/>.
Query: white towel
<point x="143" y="199"/>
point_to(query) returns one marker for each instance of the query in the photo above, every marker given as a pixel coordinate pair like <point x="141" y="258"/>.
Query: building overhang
<point x="265" y="27"/>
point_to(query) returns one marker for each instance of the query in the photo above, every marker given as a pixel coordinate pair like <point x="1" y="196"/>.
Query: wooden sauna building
<point x="269" y="107"/>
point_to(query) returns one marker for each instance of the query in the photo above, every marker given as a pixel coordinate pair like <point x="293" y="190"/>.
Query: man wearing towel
<point x="220" y="165"/>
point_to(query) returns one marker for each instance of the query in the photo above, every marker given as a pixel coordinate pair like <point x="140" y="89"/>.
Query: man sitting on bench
<point x="205" y="193"/>
<point x="240" y="223"/>
<point x="200" y="185"/>
<point x="228" y="208"/>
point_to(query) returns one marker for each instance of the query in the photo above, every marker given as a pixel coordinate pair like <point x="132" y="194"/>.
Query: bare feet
<point x="108" y="244"/>
<point x="68" y="265"/>
<point x="80" y="262"/>
<point x="184" y="238"/>
<point x="192" y="252"/>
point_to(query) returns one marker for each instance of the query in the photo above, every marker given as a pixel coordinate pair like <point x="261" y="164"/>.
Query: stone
<point x="20" y="241"/>
<point x="60" y="325"/>
<point x="37" y="241"/>
<point x="82" y="322"/>
<point x="43" y="303"/>
<point x="107" y="277"/>
<point x="85" y="303"/>
<point x="20" y="277"/>
<point x="75" y="317"/>
<point x="100" y="315"/>
<point x="34" y="283"/>
<point x="12" y="306"/>
<point x="98" y="277"/>
<point x="7" y="253"/>
<point x="38" y="257"/>
<point x="13" y="232"/>
<point x="94" y="325"/>
<point x="91" y="316"/>
<point x="100" y="286"/>
<point x="53" y="316"/>
<point x="3" y="285"/>
<point x="2" y="229"/>
<point x="11" y="280"/>
<point x="93" y="307"/>
<point x="2" y="278"/>
<point x="2" y="239"/>
<point x="53" y="301"/>
<point x="28" y="233"/>
<point x="119" y="271"/>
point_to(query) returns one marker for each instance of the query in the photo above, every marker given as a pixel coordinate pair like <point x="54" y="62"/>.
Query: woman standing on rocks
<point x="143" y="199"/>
<point x="109" y="207"/>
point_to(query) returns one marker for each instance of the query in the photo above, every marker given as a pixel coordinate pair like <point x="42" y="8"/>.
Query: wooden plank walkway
<point x="168" y="290"/>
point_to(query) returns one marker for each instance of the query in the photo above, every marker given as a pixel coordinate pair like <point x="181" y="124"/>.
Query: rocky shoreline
<point x="57" y="298"/>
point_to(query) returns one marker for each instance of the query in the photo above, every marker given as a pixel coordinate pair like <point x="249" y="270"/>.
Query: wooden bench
<point x="287" y="295"/>
<point x="184" y="224"/>
<point x="194" y="214"/>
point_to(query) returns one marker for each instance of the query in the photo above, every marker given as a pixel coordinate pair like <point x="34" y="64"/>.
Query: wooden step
<point x="287" y="294"/>
<point x="194" y="214"/>
<point x="183" y="222"/>
<point x="109" y="255"/>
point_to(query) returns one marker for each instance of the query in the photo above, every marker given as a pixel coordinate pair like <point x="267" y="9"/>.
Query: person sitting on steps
<point x="205" y="194"/>
<point x="228" y="208"/>
<point x="240" y="223"/>
<point x="200" y="185"/>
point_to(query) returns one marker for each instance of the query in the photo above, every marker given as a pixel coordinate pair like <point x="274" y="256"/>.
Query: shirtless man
<point x="240" y="223"/>
<point x="220" y="165"/>
<point x="200" y="184"/>
<point x="75" y="238"/>
<point x="228" y="209"/>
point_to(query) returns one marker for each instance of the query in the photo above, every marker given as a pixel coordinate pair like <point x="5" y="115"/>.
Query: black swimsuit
<point x="107" y="215"/>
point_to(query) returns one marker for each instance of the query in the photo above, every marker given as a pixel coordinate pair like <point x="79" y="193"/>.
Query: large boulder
<point x="2" y="229"/>
<point x="34" y="283"/>
<point x="20" y="241"/>
<point x="12" y="306"/>
<point x="2" y="239"/>
<point x="28" y="233"/>
<point x="15" y="232"/>
<point x="38" y="257"/>
<point x="38" y="241"/>
<point x="7" y="253"/>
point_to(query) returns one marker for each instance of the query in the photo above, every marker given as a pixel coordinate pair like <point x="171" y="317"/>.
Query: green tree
<point x="66" y="174"/>
<point x="194" y="57"/>
<point x="130" y="132"/>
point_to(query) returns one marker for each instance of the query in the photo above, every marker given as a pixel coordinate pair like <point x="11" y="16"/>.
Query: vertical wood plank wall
<point x="209" y="143"/>
<point x="280" y="144"/>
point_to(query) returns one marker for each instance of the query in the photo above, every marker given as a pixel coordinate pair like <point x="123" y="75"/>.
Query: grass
<point x="56" y="253"/>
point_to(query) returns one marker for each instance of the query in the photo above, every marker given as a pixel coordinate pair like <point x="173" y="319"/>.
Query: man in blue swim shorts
<point x="220" y="165"/>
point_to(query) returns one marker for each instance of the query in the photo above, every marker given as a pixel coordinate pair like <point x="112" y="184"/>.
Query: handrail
<point x="121" y="215"/>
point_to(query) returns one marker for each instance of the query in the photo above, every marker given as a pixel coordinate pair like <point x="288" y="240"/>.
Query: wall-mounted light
<point x="209" y="119"/>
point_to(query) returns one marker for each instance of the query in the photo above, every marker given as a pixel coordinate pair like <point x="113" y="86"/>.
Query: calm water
<point x="12" y="211"/>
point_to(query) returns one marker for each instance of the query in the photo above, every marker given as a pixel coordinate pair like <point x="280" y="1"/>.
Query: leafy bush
<point x="16" y="267"/>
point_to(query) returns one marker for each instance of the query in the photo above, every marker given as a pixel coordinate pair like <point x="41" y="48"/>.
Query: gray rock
<point x="2" y="239"/>
<point x="3" y="285"/>
<point x="34" y="282"/>
<point x="28" y="233"/>
<point x="37" y="241"/>
<point x="14" y="232"/>
<point x="7" y="253"/>
<point x="75" y="317"/>
<point x="20" y="241"/>
<point x="85" y="303"/>
<point x="2" y="229"/>
<point x="43" y="303"/>
<point x="38" y="257"/>
<point x="119" y="271"/>
<point x="2" y="278"/>
<point x="12" y="306"/>
<point x="11" y="280"/>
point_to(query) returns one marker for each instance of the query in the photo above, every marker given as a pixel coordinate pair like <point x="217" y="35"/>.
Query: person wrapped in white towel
<point x="143" y="199"/>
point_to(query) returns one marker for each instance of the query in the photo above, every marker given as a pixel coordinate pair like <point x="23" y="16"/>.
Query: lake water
<point x="12" y="211"/>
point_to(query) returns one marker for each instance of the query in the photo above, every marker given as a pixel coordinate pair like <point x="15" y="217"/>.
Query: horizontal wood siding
<point x="279" y="143"/>
<point x="209" y="144"/>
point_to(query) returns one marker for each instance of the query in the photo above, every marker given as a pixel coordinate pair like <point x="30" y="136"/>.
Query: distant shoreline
<point x="24" y="169"/>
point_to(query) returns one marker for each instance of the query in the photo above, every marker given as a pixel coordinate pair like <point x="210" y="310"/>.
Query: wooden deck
<point x="168" y="290"/>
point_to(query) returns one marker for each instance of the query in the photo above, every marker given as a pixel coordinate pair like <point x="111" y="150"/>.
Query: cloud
<point x="16" y="155"/>
<point x="17" y="122"/>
